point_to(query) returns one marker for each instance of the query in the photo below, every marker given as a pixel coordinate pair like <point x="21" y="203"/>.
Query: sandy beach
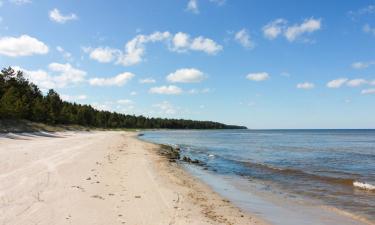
<point x="101" y="178"/>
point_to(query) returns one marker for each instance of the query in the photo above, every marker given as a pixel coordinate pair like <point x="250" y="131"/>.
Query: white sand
<point x="102" y="178"/>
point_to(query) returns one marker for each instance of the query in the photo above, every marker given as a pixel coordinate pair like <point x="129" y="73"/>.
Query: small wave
<point x="364" y="186"/>
<point x="211" y="155"/>
<point x="299" y="173"/>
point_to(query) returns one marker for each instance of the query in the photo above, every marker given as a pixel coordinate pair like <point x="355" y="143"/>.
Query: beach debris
<point x="97" y="196"/>
<point x="189" y="160"/>
<point x="169" y="152"/>
<point x="79" y="188"/>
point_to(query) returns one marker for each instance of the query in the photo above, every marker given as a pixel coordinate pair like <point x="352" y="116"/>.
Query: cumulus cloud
<point x="305" y="85"/>
<point x="186" y="75"/>
<point x="350" y="83"/>
<point x="368" y="91"/>
<point x="58" y="76"/>
<point x="125" y="102"/>
<point x="308" y="26"/>
<point x="119" y="80"/>
<point x="368" y="29"/>
<point x="292" y="33"/>
<point x="56" y="16"/>
<point x="73" y="97"/>
<point x="23" y="45"/>
<point x="66" y="55"/>
<point x="243" y="37"/>
<point x="258" y="76"/>
<point x="356" y="82"/>
<point x="168" y="90"/>
<point x="147" y="81"/>
<point x="273" y="29"/>
<point x="102" y="54"/>
<point x="181" y="42"/>
<point x="135" y="48"/>
<point x="192" y="6"/>
<point x="199" y="91"/>
<point x="337" y="83"/>
<point x="362" y="65"/>
<point x="206" y="45"/>
<point x="370" y="9"/>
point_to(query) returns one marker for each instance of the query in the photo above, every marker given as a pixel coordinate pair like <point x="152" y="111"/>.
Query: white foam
<point x="365" y="186"/>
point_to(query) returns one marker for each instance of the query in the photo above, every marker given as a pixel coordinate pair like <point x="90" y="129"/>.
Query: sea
<point x="285" y="176"/>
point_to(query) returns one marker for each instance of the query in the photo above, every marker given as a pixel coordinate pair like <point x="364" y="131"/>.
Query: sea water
<point x="286" y="176"/>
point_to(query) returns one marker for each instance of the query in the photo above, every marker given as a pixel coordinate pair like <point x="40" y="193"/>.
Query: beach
<point x="102" y="177"/>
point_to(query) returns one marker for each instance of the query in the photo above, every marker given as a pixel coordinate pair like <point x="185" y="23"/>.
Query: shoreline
<point x="103" y="178"/>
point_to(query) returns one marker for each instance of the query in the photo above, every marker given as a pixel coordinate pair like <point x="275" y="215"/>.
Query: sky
<point x="265" y="64"/>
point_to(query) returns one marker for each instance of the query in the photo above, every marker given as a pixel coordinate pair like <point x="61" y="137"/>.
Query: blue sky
<point x="259" y="63"/>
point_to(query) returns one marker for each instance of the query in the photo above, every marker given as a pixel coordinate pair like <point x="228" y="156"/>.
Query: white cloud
<point x="219" y="2"/>
<point x="181" y="42"/>
<point x="273" y="29"/>
<point x="362" y="65"/>
<point x="102" y="107"/>
<point x="125" y="102"/>
<point x="186" y="75"/>
<point x="135" y="48"/>
<point x="206" y="45"/>
<point x="308" y="26"/>
<point x="23" y="45"/>
<point x="197" y="91"/>
<point x="133" y="93"/>
<point x="305" y="85"/>
<point x="370" y="9"/>
<point x="20" y="2"/>
<point x="166" y="108"/>
<point x="243" y="37"/>
<point x="103" y="54"/>
<point x="66" y="55"/>
<point x="356" y="82"/>
<point x="292" y="33"/>
<point x="368" y="91"/>
<point x="192" y="6"/>
<point x="168" y="90"/>
<point x="73" y="97"/>
<point x="368" y="29"/>
<point x="118" y="80"/>
<point x="258" y="76"/>
<point x="57" y="17"/>
<point x="147" y="81"/>
<point x="59" y="76"/>
<point x="337" y="83"/>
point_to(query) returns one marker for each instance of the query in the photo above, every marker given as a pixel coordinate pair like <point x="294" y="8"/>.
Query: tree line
<point x="21" y="99"/>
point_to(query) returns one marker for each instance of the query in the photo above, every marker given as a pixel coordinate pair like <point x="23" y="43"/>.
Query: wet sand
<point x="102" y="178"/>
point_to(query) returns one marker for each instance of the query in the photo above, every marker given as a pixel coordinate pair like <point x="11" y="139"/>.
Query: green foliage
<point x="20" y="99"/>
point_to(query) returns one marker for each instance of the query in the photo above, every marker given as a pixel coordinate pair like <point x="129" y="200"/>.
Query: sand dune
<point x="101" y="178"/>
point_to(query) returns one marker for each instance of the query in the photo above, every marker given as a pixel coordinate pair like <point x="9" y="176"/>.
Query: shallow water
<point x="326" y="168"/>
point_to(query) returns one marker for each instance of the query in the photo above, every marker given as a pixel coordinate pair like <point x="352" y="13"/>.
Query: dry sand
<point x="101" y="178"/>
